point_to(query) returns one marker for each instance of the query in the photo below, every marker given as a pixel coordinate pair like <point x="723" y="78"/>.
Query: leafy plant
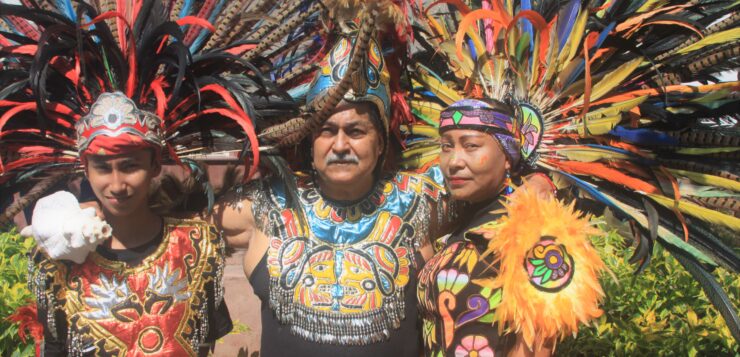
<point x="13" y="291"/>
<point x="661" y="312"/>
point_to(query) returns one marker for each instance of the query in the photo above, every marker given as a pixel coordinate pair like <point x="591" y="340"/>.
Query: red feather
<point x="602" y="171"/>
<point x="27" y="319"/>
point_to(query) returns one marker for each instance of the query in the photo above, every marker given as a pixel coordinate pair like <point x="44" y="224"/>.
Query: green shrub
<point x="661" y="312"/>
<point x="13" y="291"/>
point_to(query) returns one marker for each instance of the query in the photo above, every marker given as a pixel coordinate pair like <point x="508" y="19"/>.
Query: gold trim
<point x="160" y="341"/>
<point x="207" y="248"/>
<point x="123" y="268"/>
<point x="74" y="305"/>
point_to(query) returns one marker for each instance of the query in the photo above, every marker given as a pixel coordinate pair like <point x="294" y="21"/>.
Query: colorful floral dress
<point x="455" y="303"/>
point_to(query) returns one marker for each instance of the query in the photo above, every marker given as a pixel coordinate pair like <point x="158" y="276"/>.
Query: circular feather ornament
<point x="548" y="269"/>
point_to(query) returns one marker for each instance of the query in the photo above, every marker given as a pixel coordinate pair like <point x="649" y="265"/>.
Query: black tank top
<point x="278" y="341"/>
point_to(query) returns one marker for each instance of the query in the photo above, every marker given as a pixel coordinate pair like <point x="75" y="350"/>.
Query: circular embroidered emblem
<point x="549" y="266"/>
<point x="150" y="339"/>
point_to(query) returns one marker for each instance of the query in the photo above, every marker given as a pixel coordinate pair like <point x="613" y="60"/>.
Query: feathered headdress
<point x="353" y="65"/>
<point x="601" y="103"/>
<point x="148" y="68"/>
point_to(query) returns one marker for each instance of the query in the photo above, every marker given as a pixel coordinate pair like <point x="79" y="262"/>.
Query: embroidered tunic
<point x="524" y="282"/>
<point x="160" y="306"/>
<point x="339" y="272"/>
<point x="456" y="306"/>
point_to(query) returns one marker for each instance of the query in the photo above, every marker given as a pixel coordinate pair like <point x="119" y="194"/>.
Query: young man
<point x="114" y="89"/>
<point x="153" y="287"/>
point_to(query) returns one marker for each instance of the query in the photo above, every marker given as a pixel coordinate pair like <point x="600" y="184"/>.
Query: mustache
<point x="333" y="158"/>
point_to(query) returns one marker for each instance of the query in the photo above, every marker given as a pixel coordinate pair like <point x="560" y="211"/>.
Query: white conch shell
<point x="64" y="230"/>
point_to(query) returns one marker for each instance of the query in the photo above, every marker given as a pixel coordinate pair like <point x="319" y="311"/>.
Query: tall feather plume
<point x="634" y="115"/>
<point x="211" y="102"/>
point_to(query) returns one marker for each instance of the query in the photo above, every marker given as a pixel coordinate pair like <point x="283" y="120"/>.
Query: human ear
<point x="156" y="168"/>
<point x="155" y="163"/>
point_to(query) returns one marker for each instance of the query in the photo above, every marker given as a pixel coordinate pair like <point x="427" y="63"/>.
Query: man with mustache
<point x="336" y="271"/>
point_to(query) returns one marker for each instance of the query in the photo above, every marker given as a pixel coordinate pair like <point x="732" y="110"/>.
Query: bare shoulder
<point x="232" y="211"/>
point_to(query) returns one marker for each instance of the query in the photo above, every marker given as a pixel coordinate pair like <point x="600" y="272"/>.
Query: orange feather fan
<point x="548" y="269"/>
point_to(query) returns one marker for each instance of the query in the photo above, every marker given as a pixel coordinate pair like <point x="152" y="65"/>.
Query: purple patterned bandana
<point x="478" y="115"/>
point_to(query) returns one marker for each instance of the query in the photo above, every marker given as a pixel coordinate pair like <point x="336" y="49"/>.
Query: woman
<point x="461" y="292"/>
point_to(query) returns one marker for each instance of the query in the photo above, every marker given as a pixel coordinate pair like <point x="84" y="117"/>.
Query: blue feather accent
<point x="307" y="25"/>
<point x="566" y="21"/>
<point x="15" y="30"/>
<point x="299" y="92"/>
<point x="65" y="8"/>
<point x="636" y="158"/>
<point x="261" y="22"/>
<point x="200" y="40"/>
<point x="581" y="66"/>
<point x="593" y="192"/>
<point x="185" y="9"/>
<point x="471" y="46"/>
<point x="435" y="75"/>
<point x="644" y="136"/>
<point x="526" y="25"/>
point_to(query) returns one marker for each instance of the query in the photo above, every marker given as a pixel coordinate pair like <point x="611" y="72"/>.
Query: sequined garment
<point x="342" y="281"/>
<point x="160" y="306"/>
<point x="462" y="298"/>
<point x="456" y="306"/>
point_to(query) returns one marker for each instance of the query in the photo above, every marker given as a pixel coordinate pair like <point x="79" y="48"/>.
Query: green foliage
<point x="661" y="312"/>
<point x="13" y="291"/>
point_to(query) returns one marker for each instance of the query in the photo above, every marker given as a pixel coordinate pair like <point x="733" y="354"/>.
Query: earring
<point x="508" y="189"/>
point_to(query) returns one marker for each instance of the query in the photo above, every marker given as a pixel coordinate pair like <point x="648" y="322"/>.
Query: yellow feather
<point x="480" y="48"/>
<point x="463" y="69"/>
<point x="651" y="4"/>
<point x="573" y="44"/>
<point x="430" y="110"/>
<point x="424" y="130"/>
<point x="437" y="27"/>
<point x="615" y="108"/>
<point x="440" y="89"/>
<point x="411" y="152"/>
<point x="714" y="99"/>
<point x="602" y="120"/>
<point x="587" y="154"/>
<point x="611" y="80"/>
<point x="713" y="39"/>
<point x="710" y="180"/>
<point x="706" y="214"/>
<point x="599" y="126"/>
<point x="706" y="151"/>
<point x="663" y="232"/>
<point x="577" y="87"/>
<point x="418" y="161"/>
<point x="550" y="63"/>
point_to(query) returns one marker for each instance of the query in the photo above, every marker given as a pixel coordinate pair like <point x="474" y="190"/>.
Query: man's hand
<point x="232" y="215"/>
<point x="540" y="183"/>
<point x="94" y="205"/>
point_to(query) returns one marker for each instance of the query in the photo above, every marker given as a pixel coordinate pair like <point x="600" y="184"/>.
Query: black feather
<point x="712" y="289"/>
